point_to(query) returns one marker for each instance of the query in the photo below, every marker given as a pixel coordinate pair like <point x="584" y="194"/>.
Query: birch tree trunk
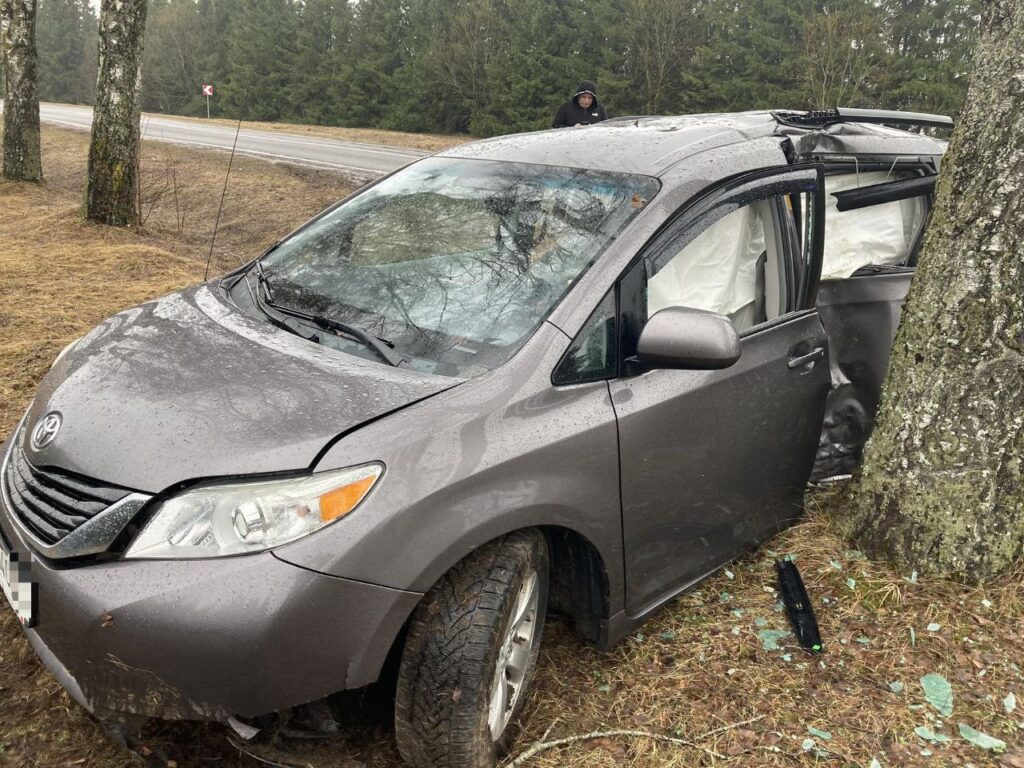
<point x="942" y="486"/>
<point x="21" y="160"/>
<point x="113" y="185"/>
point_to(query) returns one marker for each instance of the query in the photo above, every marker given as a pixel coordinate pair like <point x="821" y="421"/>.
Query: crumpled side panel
<point x="860" y="315"/>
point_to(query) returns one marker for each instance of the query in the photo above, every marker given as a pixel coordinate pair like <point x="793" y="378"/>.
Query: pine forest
<point x="488" y="67"/>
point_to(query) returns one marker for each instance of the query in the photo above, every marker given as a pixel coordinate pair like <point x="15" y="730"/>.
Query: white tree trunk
<point x="21" y="159"/>
<point x="942" y="487"/>
<point x="113" y="185"/>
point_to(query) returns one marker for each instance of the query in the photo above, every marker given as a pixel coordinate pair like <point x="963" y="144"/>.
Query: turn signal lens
<point x="341" y="501"/>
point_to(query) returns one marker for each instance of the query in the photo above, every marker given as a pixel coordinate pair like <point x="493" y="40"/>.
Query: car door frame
<point x="804" y="263"/>
<point x="861" y="314"/>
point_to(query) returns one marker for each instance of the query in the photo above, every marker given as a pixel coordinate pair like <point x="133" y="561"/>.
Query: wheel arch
<point x="579" y="584"/>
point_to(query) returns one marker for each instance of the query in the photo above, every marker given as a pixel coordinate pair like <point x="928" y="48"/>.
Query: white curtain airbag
<point x="717" y="271"/>
<point x="879" y="234"/>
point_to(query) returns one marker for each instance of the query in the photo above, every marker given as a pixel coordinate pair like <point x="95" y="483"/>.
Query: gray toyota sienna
<point x="572" y="370"/>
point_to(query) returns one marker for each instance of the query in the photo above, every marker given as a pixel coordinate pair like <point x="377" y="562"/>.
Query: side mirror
<point x="680" y="337"/>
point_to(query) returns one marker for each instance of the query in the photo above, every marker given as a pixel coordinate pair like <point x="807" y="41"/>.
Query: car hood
<point x="188" y="386"/>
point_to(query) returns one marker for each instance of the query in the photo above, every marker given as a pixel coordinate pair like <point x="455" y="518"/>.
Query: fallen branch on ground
<point x="541" y="746"/>
<point x="256" y="757"/>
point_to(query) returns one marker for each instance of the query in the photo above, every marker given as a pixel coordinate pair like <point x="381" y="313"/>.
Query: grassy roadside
<point x="718" y="661"/>
<point x="428" y="142"/>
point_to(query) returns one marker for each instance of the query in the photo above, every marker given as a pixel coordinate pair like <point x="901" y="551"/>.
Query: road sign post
<point x="207" y="92"/>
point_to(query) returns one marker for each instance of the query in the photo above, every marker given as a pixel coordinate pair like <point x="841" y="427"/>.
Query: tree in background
<point x="445" y="82"/>
<point x="113" y="175"/>
<point x="661" y="43"/>
<point x="843" y="55"/>
<point x="751" y="54"/>
<point x="172" y="55"/>
<point x="942" y="486"/>
<point x="310" y="97"/>
<point x="338" y="63"/>
<point x="499" y="66"/>
<point x="66" y="40"/>
<point x="378" y="50"/>
<point x="931" y="44"/>
<point x="544" y="48"/>
<point x="261" y="50"/>
<point x="21" y="157"/>
<point x="426" y="86"/>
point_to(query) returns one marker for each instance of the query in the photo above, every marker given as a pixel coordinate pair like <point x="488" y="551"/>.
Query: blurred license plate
<point x="16" y="583"/>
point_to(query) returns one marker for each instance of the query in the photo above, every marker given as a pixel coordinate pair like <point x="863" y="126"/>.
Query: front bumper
<point x="206" y="639"/>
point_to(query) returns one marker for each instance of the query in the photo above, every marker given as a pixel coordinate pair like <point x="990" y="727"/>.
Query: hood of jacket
<point x="585" y="86"/>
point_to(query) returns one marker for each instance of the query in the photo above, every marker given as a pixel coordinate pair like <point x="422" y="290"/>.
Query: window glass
<point x="878" y="234"/>
<point x="593" y="355"/>
<point x="722" y="270"/>
<point x="455" y="262"/>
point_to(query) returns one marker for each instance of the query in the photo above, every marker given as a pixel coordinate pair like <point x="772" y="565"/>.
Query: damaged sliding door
<point x="875" y="219"/>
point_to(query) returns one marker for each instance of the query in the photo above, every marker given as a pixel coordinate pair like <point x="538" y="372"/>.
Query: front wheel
<point x="470" y="656"/>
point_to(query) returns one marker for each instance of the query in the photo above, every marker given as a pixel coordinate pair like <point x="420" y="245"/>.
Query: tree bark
<point x="941" y="488"/>
<point x="21" y="158"/>
<point x="112" y="192"/>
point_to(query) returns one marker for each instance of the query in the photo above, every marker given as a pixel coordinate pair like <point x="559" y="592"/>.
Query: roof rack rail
<point x="824" y="117"/>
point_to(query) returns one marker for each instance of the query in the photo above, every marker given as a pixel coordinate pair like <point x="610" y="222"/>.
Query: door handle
<point x="814" y="355"/>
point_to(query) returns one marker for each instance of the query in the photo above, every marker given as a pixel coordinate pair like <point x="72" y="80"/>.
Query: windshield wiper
<point x="261" y="278"/>
<point x="330" y="324"/>
<point x="282" y="323"/>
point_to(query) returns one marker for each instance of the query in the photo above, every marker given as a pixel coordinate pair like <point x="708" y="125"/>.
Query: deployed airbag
<point x="716" y="271"/>
<point x="880" y="234"/>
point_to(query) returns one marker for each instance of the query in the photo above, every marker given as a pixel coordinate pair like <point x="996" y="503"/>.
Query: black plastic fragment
<point x="887" y="192"/>
<point x="798" y="606"/>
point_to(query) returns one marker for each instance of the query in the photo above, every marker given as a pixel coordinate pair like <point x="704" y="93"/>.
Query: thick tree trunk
<point x="21" y="101"/>
<point x="941" y="488"/>
<point x="112" y="193"/>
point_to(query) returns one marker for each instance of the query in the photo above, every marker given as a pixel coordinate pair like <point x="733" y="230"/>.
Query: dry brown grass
<point x="697" y="667"/>
<point x="700" y="665"/>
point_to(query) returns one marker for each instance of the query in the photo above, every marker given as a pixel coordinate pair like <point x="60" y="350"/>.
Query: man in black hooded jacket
<point x="581" y="109"/>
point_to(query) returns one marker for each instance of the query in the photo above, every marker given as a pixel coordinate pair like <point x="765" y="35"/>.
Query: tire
<point x="449" y="673"/>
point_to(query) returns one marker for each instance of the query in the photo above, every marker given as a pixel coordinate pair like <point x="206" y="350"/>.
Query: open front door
<point x="712" y="462"/>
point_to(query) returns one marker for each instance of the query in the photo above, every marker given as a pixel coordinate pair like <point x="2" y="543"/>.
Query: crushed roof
<point x="651" y="145"/>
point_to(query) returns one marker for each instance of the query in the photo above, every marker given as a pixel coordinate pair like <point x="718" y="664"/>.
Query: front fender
<point x="469" y="465"/>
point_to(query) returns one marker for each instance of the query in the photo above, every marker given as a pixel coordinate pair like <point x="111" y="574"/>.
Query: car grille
<point x="52" y="504"/>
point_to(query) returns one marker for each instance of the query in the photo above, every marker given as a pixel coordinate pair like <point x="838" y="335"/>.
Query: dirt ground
<point x="714" y="679"/>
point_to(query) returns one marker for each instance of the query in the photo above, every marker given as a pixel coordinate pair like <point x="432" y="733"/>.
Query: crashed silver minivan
<point x="572" y="370"/>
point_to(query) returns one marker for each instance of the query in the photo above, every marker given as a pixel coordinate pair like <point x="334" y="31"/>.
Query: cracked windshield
<point x="454" y="262"/>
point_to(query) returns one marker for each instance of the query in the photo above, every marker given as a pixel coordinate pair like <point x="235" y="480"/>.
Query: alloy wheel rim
<point x="514" y="657"/>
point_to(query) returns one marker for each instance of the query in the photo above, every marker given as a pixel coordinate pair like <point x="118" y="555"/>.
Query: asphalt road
<point x="364" y="161"/>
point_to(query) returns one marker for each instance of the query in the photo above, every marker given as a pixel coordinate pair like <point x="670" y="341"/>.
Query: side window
<point x="593" y="354"/>
<point x="882" y="234"/>
<point x="736" y="267"/>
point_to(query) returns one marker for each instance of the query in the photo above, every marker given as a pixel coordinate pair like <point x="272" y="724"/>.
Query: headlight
<point x="249" y="517"/>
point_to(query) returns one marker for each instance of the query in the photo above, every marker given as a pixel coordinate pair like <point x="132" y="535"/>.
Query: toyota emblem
<point x="46" y="430"/>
